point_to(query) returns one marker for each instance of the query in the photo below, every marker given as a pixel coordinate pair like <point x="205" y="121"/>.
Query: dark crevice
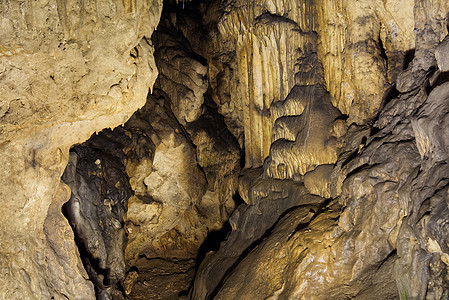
<point x="350" y="157"/>
<point x="133" y="142"/>
<point x="134" y="52"/>
<point x="392" y="254"/>
<point x="358" y="169"/>
<point x="343" y="117"/>
<point x="320" y="209"/>
<point x="373" y="131"/>
<point x="443" y="77"/>
<point x="427" y="86"/>
<point x="408" y="58"/>
<point x="424" y="210"/>
<point x="212" y="242"/>
<point x="248" y="250"/>
<point x="383" y="53"/>
<point x="390" y="94"/>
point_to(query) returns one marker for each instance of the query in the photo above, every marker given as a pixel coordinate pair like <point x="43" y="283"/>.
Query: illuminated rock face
<point x="354" y="49"/>
<point x="339" y="106"/>
<point x="361" y="46"/>
<point x="68" y="69"/>
<point x="380" y="233"/>
<point x="146" y="195"/>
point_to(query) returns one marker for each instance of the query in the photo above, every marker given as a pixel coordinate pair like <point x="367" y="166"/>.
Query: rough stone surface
<point x="188" y="181"/>
<point x="100" y="190"/>
<point x="62" y="256"/>
<point x="382" y="232"/>
<point x="148" y="176"/>
<point x="182" y="75"/>
<point x="67" y="69"/>
<point x="340" y="108"/>
<point x="362" y="46"/>
<point x="441" y="55"/>
<point x="162" y="180"/>
<point x="267" y="200"/>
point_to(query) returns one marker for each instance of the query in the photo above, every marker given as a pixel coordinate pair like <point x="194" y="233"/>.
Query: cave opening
<point x="341" y="108"/>
<point x="152" y="197"/>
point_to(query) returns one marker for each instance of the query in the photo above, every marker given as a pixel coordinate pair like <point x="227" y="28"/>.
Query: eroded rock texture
<point x="67" y="69"/>
<point x="145" y="196"/>
<point x="379" y="232"/>
<point x="340" y="108"/>
<point x="361" y="46"/>
<point x="188" y="189"/>
<point x="100" y="190"/>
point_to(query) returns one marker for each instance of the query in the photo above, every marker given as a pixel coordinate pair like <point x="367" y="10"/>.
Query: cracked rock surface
<point x="379" y="232"/>
<point x="67" y="70"/>
<point x="336" y="109"/>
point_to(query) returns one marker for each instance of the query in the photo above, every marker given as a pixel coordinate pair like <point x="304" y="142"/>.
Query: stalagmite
<point x="224" y="149"/>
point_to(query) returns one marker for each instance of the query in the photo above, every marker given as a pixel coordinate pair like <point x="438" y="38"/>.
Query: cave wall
<point x="68" y="69"/>
<point x="361" y="45"/>
<point x="378" y="231"/>
<point x="146" y="195"/>
<point x="262" y="49"/>
<point x="340" y="107"/>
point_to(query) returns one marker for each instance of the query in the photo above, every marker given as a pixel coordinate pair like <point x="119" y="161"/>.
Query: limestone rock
<point x="362" y="46"/>
<point x="62" y="256"/>
<point x="171" y="184"/>
<point x="335" y="238"/>
<point x="264" y="42"/>
<point x="100" y="190"/>
<point x="382" y="234"/>
<point x="311" y="142"/>
<point x="266" y="199"/>
<point x="441" y="55"/>
<point x="182" y="76"/>
<point x="318" y="181"/>
<point x="180" y="206"/>
<point x="340" y="107"/>
<point x="67" y="70"/>
<point x="162" y="279"/>
<point x="165" y="208"/>
<point x="218" y="154"/>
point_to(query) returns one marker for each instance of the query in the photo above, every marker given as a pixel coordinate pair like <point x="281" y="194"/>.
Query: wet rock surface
<point x="339" y="107"/>
<point x="100" y="192"/>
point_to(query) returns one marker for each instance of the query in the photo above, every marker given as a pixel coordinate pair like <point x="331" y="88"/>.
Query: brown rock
<point x="67" y="70"/>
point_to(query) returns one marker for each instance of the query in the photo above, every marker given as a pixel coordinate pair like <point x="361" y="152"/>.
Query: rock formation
<point x="336" y="110"/>
<point x="166" y="179"/>
<point x="68" y="69"/>
<point x="379" y="233"/>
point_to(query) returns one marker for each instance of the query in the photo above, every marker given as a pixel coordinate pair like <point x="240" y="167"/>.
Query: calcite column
<point x="271" y="40"/>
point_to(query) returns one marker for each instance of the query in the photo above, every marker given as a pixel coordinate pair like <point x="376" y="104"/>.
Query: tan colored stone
<point x="318" y="181"/>
<point x="353" y="35"/>
<point x="66" y="72"/>
<point x="389" y="184"/>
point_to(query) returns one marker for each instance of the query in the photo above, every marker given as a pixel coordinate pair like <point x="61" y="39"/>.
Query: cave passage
<point x="152" y="197"/>
<point x="253" y="151"/>
<point x="243" y="150"/>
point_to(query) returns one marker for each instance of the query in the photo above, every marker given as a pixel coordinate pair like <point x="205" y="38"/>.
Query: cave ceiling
<point x="224" y="149"/>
